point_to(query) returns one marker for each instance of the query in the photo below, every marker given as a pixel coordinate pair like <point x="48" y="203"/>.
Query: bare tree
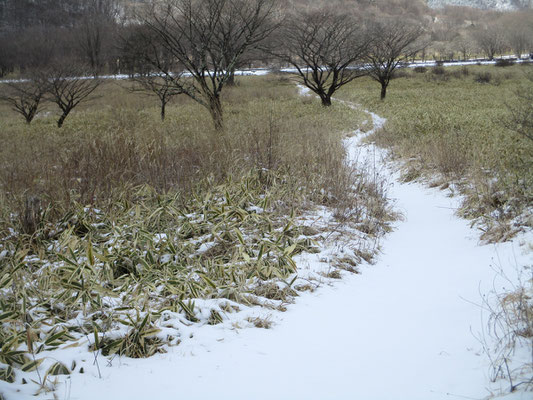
<point x="246" y="59"/>
<point x="491" y="40"/>
<point x="161" y="85"/>
<point x="67" y="86"/>
<point x="464" y="45"/>
<point x="394" y="42"/>
<point x="94" y="30"/>
<point x="36" y="47"/>
<point x="154" y="70"/>
<point x="208" y="39"/>
<point x="519" y="33"/>
<point x="323" y="47"/>
<point x="25" y="97"/>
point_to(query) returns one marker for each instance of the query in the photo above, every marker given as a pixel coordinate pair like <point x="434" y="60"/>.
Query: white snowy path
<point x="401" y="330"/>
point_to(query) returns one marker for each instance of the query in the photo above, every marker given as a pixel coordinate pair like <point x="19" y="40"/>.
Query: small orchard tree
<point x="67" y="86"/>
<point x="393" y="43"/>
<point x="25" y="97"/>
<point x="161" y="85"/>
<point x="155" y="71"/>
<point x="208" y="38"/>
<point x="323" y="47"/>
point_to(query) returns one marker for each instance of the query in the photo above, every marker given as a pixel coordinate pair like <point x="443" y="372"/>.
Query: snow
<point x="290" y="70"/>
<point x="406" y="328"/>
<point x="500" y="5"/>
<point x="121" y="77"/>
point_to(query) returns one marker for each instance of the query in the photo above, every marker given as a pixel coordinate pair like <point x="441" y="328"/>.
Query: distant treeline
<point x="37" y="33"/>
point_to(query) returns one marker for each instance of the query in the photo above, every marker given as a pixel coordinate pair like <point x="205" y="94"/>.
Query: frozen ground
<point x="405" y="328"/>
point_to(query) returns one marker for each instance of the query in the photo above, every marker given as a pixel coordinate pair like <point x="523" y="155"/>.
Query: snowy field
<point x="412" y="326"/>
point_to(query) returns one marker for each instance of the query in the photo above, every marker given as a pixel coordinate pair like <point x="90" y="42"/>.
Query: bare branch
<point x="393" y="43"/>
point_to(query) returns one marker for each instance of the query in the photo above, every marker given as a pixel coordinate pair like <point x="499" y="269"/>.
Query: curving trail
<point x="401" y="330"/>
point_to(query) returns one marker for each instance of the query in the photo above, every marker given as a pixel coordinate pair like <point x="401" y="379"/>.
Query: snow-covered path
<point x="401" y="330"/>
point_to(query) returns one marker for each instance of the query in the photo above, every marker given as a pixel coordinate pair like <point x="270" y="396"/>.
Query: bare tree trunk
<point x="326" y="100"/>
<point x="231" y="79"/>
<point x="62" y="119"/>
<point x="383" y="90"/>
<point x="163" y="109"/>
<point x="215" y="109"/>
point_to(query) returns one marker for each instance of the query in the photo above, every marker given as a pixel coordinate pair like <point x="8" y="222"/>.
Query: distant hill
<point x="501" y="5"/>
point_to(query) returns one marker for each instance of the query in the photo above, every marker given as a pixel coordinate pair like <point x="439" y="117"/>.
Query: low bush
<point x="483" y="77"/>
<point x="504" y="62"/>
<point x="438" y="70"/>
<point x="400" y="73"/>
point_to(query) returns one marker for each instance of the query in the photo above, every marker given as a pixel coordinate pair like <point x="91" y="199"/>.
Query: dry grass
<point x="116" y="142"/>
<point x="510" y="327"/>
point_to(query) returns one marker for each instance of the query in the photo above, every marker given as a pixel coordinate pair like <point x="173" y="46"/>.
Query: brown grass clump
<point x="263" y="323"/>
<point x="272" y="291"/>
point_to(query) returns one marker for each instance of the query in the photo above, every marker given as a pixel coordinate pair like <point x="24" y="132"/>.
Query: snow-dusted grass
<point x="409" y="327"/>
<point x="186" y="234"/>
<point x="415" y="325"/>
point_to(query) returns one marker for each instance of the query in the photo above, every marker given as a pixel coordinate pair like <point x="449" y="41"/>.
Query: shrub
<point x="438" y="70"/>
<point x="420" y="70"/>
<point x="400" y="73"/>
<point x="504" y="63"/>
<point x="483" y="77"/>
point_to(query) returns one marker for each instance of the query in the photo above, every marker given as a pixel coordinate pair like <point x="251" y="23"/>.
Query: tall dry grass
<point x="116" y="142"/>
